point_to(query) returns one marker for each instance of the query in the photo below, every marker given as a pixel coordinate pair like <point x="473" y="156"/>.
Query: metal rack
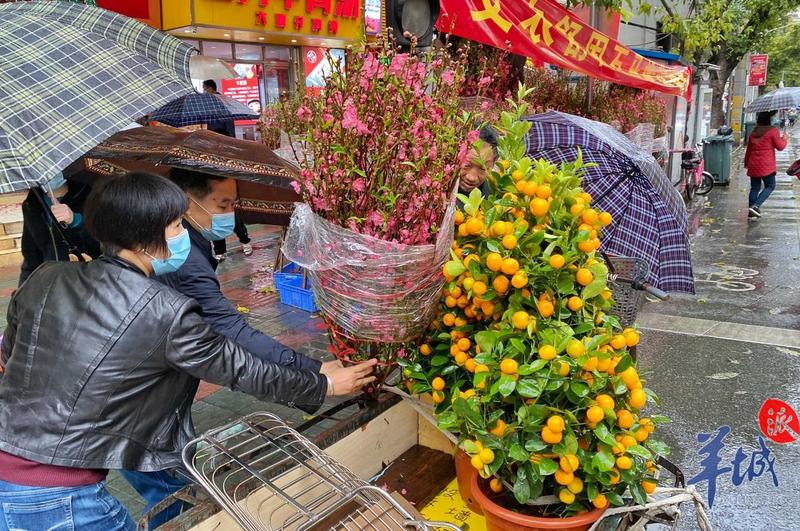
<point x="269" y="477"/>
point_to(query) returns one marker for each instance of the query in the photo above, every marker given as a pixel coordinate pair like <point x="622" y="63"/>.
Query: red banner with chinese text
<point x="548" y="33"/>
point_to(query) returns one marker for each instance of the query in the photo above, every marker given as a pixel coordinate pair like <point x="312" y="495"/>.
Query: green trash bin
<point x="717" y="157"/>
<point x="748" y="128"/>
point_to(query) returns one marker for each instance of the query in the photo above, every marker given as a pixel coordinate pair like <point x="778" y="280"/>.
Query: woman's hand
<point x="62" y="213"/>
<point x="350" y="380"/>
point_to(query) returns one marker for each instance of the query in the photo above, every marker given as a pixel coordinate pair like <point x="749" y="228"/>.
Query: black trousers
<point x="240" y="229"/>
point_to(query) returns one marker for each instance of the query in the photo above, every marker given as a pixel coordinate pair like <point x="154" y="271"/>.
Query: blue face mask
<point x="179" y="247"/>
<point x="221" y="225"/>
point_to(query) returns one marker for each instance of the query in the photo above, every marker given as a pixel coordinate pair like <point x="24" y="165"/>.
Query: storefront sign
<point x="244" y="88"/>
<point x="148" y="11"/>
<point x="340" y="19"/>
<point x="372" y="16"/>
<point x="758" y="70"/>
<point x="547" y="32"/>
<point x="318" y="66"/>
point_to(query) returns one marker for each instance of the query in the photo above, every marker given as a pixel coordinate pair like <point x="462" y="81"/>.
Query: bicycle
<point x="694" y="179"/>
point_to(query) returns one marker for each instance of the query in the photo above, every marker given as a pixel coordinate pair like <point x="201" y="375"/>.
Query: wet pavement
<point x="714" y="358"/>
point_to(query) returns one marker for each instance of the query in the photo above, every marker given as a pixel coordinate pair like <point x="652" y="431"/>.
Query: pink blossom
<point x="359" y="185"/>
<point x="376" y="218"/>
<point x="484" y="81"/>
<point x="296" y="186"/>
<point x="304" y="113"/>
<point x="350" y="120"/>
<point x="473" y="136"/>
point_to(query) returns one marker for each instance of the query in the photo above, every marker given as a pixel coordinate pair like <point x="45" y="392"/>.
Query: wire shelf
<point x="269" y="477"/>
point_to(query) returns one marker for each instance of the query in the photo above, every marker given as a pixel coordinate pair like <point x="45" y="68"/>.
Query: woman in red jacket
<point x="759" y="159"/>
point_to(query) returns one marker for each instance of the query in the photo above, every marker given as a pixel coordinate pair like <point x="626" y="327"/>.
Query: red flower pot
<point x="465" y="473"/>
<point x="501" y="519"/>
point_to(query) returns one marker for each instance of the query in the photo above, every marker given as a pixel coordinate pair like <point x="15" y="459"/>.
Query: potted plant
<point x="384" y="140"/>
<point x="524" y="362"/>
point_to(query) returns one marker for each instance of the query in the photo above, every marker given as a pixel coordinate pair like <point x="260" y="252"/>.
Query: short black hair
<point x="210" y="83"/>
<point x="132" y="212"/>
<point x="199" y="184"/>
<point x="489" y="135"/>
<point x="764" y="118"/>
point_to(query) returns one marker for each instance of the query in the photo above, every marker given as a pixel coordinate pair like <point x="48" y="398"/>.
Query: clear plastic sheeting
<point x="371" y="288"/>
<point x="642" y="136"/>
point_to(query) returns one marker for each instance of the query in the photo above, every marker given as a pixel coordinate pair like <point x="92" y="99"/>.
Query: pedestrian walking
<point x="100" y="360"/>
<point x="759" y="159"/>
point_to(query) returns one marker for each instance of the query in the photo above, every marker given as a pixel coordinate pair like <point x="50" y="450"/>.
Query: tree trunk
<point x="718" y="81"/>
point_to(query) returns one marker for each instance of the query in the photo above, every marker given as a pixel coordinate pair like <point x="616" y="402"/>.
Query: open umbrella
<point x="72" y="75"/>
<point x="265" y="180"/>
<point x="782" y="98"/>
<point x="649" y="215"/>
<point x="201" y="108"/>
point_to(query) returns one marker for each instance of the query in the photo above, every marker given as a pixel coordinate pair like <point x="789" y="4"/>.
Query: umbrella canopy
<point x="201" y="108"/>
<point x="266" y="192"/>
<point x="649" y="215"/>
<point x="782" y="98"/>
<point x="72" y="75"/>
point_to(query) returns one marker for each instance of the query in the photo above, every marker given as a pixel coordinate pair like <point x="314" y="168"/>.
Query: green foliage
<point x="783" y="47"/>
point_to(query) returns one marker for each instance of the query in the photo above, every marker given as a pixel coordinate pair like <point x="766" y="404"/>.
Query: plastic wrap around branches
<point x="371" y="288"/>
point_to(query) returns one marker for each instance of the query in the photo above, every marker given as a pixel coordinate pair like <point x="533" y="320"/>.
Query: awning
<point x="547" y="32"/>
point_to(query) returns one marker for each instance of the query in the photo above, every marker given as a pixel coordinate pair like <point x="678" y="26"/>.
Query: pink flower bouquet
<point x="384" y="141"/>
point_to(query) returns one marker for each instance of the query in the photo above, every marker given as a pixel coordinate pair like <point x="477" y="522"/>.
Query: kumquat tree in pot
<point x="524" y="361"/>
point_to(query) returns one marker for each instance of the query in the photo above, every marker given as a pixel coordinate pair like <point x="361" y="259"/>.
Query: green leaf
<point x="454" y="268"/>
<point x="604" y="435"/>
<point x="518" y="453"/>
<point x="619" y="387"/>
<point x="660" y="419"/>
<point x="603" y="461"/>
<point x="623" y="364"/>
<point x="470" y="447"/>
<point x="615" y="499"/>
<point x="640" y="451"/>
<point x="484" y="359"/>
<point x="507" y="385"/>
<point x="592" y="491"/>
<point x="583" y="328"/>
<point x="438" y="361"/>
<point x="547" y="466"/>
<point x="639" y="496"/>
<point x="658" y="447"/>
<point x="447" y="420"/>
<point x="580" y="389"/>
<point x="535" y="445"/>
<point x="449" y="370"/>
<point x="528" y="388"/>
<point x="469" y="412"/>
<point x="570" y="443"/>
<point x="522" y="489"/>
<point x="566" y="283"/>
<point x="486" y="340"/>
<point x="517" y="345"/>
<point x="493" y="246"/>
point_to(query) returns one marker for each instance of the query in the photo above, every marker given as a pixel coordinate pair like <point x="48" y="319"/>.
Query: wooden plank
<point x="432" y="437"/>
<point x="419" y="474"/>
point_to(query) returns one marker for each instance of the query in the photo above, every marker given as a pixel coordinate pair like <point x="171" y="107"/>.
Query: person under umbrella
<point x="100" y="360"/>
<point x="759" y="159"/>
<point x="52" y="226"/>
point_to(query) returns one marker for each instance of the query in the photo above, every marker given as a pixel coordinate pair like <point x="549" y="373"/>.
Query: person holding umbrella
<point x="759" y="159"/>
<point x="100" y="360"/>
<point x="42" y="240"/>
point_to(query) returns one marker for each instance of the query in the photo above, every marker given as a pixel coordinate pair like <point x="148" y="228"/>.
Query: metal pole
<point x="589" y="80"/>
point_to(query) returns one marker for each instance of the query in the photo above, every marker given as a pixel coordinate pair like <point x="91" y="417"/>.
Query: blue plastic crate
<point x="289" y="283"/>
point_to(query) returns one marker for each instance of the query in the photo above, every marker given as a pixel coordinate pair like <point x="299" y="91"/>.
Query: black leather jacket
<point x="100" y="363"/>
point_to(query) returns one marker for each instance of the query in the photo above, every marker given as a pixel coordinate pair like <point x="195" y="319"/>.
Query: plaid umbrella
<point x="649" y="215"/>
<point x="201" y="108"/>
<point x="72" y="75"/>
<point x="782" y="98"/>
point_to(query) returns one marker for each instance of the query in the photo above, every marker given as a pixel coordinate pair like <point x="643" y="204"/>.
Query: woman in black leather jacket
<point x="100" y="360"/>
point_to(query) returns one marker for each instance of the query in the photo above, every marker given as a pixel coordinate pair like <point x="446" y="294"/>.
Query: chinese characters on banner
<point x="548" y="33"/>
<point x="758" y="69"/>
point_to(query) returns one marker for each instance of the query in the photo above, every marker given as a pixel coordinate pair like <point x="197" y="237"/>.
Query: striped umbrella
<point x="649" y="215"/>
<point x="782" y="98"/>
<point x="202" y="108"/>
<point x="72" y="75"/>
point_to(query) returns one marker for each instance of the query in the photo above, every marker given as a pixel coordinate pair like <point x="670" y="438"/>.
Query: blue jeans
<point x="154" y="487"/>
<point x="757" y="195"/>
<point x="89" y="508"/>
